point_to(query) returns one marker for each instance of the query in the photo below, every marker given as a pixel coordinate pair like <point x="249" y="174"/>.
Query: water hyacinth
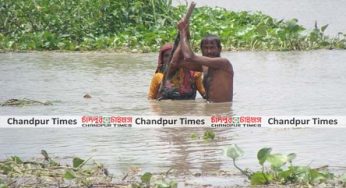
<point x="278" y="170"/>
<point x="145" y="26"/>
<point x="15" y="172"/>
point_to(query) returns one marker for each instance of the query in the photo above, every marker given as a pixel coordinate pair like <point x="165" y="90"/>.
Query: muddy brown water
<point x="308" y="83"/>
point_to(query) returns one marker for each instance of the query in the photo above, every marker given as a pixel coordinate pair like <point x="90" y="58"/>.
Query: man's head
<point x="164" y="56"/>
<point x="211" y="46"/>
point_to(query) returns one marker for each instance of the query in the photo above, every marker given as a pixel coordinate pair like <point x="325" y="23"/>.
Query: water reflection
<point x="195" y="155"/>
<point x="198" y="107"/>
<point x="265" y="83"/>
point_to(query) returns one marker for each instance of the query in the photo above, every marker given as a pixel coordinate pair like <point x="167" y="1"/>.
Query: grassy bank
<point x="145" y="26"/>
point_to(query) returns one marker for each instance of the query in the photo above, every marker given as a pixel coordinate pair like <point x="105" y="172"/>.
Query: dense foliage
<point x="144" y="25"/>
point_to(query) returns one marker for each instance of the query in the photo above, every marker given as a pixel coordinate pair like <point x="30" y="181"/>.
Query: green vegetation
<point x="24" y="102"/>
<point x="208" y="135"/>
<point x="276" y="170"/>
<point x="83" y="25"/>
<point x="160" y="181"/>
<point x="49" y="173"/>
<point x="281" y="170"/>
<point x="145" y="26"/>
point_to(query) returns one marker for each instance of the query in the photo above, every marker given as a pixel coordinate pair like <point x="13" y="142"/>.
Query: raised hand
<point x="183" y="25"/>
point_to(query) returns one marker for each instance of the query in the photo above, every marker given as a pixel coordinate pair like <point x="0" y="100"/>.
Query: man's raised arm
<point x="189" y="56"/>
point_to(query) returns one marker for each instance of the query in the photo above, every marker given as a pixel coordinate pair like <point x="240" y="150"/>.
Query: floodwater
<point x="265" y="83"/>
<point x="306" y="11"/>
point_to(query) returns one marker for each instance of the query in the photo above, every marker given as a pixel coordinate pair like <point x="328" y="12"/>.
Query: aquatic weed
<point x="145" y="26"/>
<point x="49" y="173"/>
<point x="281" y="169"/>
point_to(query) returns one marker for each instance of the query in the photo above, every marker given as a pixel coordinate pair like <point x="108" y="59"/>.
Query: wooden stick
<point x="177" y="38"/>
<point x="189" y="12"/>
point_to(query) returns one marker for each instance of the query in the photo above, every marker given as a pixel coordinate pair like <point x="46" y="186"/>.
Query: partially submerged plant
<point x="208" y="135"/>
<point x="281" y="170"/>
<point x="24" y="102"/>
<point x="158" y="181"/>
<point x="234" y="152"/>
<point x="49" y="173"/>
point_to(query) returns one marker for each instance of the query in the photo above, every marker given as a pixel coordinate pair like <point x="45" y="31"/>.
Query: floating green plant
<point x="144" y="26"/>
<point x="277" y="169"/>
<point x="281" y="169"/>
<point x="49" y="173"/>
<point x="158" y="181"/>
<point x="24" y="102"/>
<point x="208" y="135"/>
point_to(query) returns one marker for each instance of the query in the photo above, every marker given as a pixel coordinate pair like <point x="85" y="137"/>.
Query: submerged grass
<point x="46" y="172"/>
<point x="24" y="102"/>
<point x="145" y="26"/>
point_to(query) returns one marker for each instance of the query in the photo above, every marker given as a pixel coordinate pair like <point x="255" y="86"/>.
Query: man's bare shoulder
<point x="225" y="60"/>
<point x="226" y="64"/>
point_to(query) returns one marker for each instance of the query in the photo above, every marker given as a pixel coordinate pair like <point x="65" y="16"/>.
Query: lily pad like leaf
<point x="263" y="154"/>
<point x="277" y="160"/>
<point x="316" y="176"/>
<point x="234" y="152"/>
<point x="146" y="177"/>
<point x="69" y="175"/>
<point x="77" y="162"/>
<point x="259" y="178"/>
<point x="323" y="28"/>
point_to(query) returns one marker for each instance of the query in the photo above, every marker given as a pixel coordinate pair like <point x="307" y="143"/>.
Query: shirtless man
<point x="218" y="79"/>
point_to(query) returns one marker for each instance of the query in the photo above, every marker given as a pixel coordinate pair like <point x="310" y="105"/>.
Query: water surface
<point x="266" y="83"/>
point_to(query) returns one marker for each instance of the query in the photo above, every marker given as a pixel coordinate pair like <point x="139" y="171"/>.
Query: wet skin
<point x="218" y="80"/>
<point x="165" y="60"/>
<point x="166" y="56"/>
